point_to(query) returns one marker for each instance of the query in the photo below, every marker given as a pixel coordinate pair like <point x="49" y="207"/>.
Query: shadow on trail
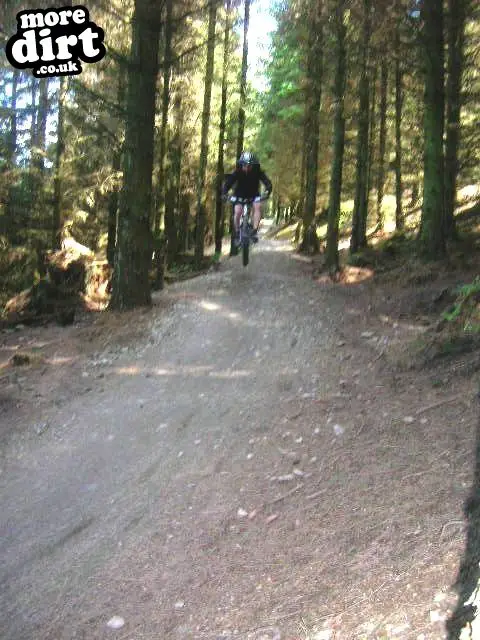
<point x="460" y="624"/>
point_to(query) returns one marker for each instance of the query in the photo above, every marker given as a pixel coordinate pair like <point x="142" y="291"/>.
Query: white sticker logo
<point x="52" y="42"/>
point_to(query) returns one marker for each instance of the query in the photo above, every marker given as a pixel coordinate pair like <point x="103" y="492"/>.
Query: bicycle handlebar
<point x="237" y="200"/>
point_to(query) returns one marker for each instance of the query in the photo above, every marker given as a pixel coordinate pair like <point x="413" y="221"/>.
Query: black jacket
<point x="247" y="185"/>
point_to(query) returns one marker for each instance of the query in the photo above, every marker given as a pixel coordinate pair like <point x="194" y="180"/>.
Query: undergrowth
<point x="465" y="312"/>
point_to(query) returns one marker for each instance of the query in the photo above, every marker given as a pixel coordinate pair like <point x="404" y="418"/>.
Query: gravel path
<point x="203" y="488"/>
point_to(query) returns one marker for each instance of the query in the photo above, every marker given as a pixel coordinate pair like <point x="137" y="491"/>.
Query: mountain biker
<point x="246" y="179"/>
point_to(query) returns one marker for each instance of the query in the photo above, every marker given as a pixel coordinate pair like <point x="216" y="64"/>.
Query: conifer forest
<point x="212" y="431"/>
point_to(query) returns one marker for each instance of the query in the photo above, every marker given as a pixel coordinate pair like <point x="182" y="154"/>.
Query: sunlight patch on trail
<point x="133" y="370"/>
<point x="218" y="310"/>
<point x="230" y="374"/>
<point x="192" y="371"/>
<point x="61" y="360"/>
<point x="209" y="306"/>
<point x="278" y="247"/>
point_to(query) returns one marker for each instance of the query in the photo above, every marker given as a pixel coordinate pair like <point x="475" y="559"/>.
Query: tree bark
<point x="116" y="167"/>
<point x="184" y="205"/>
<point x="40" y="129"/>
<point x="241" y="109"/>
<point x="131" y="285"/>
<point x="382" y="143"/>
<point x="172" y="181"/>
<point x="399" y="220"/>
<point x="372" y="128"/>
<point x="219" y="206"/>
<point x="8" y="225"/>
<point x="332" y="256"/>
<point x="201" y="213"/>
<point x="313" y="96"/>
<point x="432" y="231"/>
<point x="167" y="66"/>
<point x="113" y="211"/>
<point x="360" y="209"/>
<point x="59" y="152"/>
<point x="243" y="81"/>
<point x="456" y="40"/>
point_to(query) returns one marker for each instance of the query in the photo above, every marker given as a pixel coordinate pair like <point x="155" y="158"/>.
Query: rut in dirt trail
<point x="134" y="503"/>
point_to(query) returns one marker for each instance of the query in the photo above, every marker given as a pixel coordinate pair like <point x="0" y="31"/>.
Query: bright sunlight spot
<point x="209" y="306"/>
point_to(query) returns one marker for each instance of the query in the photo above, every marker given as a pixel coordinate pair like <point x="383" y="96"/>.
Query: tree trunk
<point x="184" y="218"/>
<point x="33" y="106"/>
<point x="167" y="66"/>
<point x="172" y="182"/>
<point x="8" y="225"/>
<point x="399" y="220"/>
<point x="332" y="257"/>
<point x="39" y="125"/>
<point x="302" y="177"/>
<point x="40" y="130"/>
<point x="360" y="208"/>
<point x="382" y="144"/>
<point x="113" y="211"/>
<point x="116" y="167"/>
<point x="12" y="138"/>
<point x="133" y="255"/>
<point x="59" y="152"/>
<point x="33" y="210"/>
<point x="313" y="96"/>
<point x="456" y="39"/>
<point x="36" y="176"/>
<point x="243" y="81"/>
<point x="219" y="207"/>
<point x="373" y="126"/>
<point x="432" y="231"/>
<point x="201" y="213"/>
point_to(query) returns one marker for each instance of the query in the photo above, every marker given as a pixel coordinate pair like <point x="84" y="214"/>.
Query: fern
<point x="467" y="305"/>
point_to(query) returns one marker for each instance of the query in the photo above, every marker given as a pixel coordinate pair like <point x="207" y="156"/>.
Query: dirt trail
<point x="249" y="467"/>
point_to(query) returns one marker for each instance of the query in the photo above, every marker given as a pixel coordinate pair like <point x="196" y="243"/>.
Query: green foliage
<point x="18" y="269"/>
<point x="280" y="132"/>
<point x="466" y="309"/>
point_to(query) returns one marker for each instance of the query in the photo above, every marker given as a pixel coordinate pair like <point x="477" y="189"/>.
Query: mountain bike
<point x="246" y="227"/>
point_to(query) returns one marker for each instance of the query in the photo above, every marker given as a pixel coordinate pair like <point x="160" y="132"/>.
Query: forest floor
<point x="262" y="455"/>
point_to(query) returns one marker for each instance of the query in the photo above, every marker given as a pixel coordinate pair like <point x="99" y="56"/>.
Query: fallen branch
<point x="316" y="495"/>
<point x="449" y="524"/>
<point x="380" y="355"/>
<point x="284" y="496"/>
<point x="440" y="403"/>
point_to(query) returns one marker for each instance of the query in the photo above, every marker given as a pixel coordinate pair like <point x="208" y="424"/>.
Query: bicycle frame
<point x="245" y="226"/>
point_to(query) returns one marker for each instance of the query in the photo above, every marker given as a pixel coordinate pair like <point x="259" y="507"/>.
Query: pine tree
<point x="201" y="213"/>
<point x="332" y="257"/>
<point x="313" y="96"/>
<point x="131" y="286"/>
<point x="432" y="231"/>
<point x="359" y="223"/>
<point x="456" y="43"/>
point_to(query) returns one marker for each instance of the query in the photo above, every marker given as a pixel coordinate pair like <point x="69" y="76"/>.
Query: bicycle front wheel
<point x="245" y="252"/>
